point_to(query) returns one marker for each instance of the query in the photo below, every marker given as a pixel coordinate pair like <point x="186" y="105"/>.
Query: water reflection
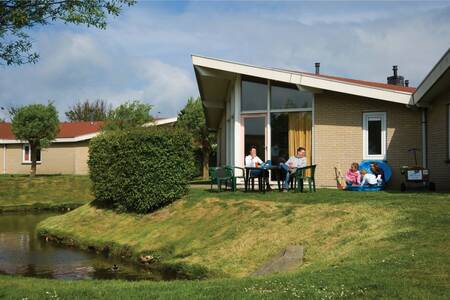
<point x="22" y="253"/>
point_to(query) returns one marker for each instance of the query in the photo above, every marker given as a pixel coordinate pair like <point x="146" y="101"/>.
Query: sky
<point x="145" y="53"/>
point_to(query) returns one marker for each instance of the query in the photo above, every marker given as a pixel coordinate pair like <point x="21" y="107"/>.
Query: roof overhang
<point x="436" y="82"/>
<point x="215" y="75"/>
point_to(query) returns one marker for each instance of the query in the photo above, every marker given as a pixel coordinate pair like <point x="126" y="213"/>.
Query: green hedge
<point x="140" y="170"/>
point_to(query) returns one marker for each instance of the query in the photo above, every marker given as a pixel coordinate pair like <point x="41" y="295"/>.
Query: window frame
<point x="23" y="155"/>
<point x="366" y="117"/>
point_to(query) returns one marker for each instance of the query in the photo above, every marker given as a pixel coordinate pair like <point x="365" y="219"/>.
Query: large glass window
<point x="290" y="131"/>
<point x="254" y="94"/>
<point x="374" y="131"/>
<point x="286" y="96"/>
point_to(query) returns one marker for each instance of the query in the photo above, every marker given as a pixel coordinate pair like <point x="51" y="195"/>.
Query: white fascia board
<point x="77" y="138"/>
<point x="161" y="122"/>
<point x="243" y="69"/>
<point x="57" y="140"/>
<point x="438" y="70"/>
<point x="304" y="80"/>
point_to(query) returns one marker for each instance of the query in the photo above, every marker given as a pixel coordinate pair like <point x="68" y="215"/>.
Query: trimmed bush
<point x="140" y="170"/>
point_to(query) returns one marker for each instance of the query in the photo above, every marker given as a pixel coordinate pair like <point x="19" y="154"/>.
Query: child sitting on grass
<point x="370" y="179"/>
<point x="352" y="176"/>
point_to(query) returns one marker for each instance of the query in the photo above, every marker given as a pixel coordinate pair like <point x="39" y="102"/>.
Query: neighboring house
<point x="338" y="120"/>
<point x="68" y="154"/>
<point x="433" y="97"/>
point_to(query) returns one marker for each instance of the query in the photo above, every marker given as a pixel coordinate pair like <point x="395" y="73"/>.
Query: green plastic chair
<point x="235" y="173"/>
<point x="220" y="175"/>
<point x="301" y="177"/>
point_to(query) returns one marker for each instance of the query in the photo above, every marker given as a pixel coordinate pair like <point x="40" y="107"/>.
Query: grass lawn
<point x="371" y="245"/>
<point x="18" y="192"/>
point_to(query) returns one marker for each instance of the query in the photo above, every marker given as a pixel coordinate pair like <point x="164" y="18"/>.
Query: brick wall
<point x="438" y="142"/>
<point x="339" y="134"/>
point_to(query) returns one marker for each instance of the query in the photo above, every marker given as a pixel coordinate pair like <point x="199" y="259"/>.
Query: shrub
<point x="140" y="170"/>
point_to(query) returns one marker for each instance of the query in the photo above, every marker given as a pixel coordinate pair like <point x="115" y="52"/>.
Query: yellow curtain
<point x="300" y="125"/>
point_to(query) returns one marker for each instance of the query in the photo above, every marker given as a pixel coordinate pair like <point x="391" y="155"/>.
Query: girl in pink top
<point x="352" y="176"/>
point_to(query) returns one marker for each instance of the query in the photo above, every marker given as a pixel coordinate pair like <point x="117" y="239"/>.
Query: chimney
<point x="317" y="64"/>
<point x="395" y="79"/>
<point x="406" y="83"/>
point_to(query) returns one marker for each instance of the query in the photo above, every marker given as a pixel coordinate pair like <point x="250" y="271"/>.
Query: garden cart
<point x="416" y="176"/>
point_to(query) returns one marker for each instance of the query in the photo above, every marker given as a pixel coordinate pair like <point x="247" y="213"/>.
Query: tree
<point x="129" y="115"/>
<point x="38" y="124"/>
<point x="17" y="16"/>
<point x="192" y="118"/>
<point x="89" y="111"/>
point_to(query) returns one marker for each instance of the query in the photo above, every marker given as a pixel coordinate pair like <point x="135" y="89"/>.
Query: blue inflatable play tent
<point x="365" y="164"/>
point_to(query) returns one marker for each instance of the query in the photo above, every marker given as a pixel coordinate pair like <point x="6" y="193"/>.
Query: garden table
<point x="263" y="176"/>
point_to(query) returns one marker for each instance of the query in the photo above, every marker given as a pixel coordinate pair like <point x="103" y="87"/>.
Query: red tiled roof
<point x="6" y="132"/>
<point x="66" y="129"/>
<point x="74" y="129"/>
<point x="368" y="83"/>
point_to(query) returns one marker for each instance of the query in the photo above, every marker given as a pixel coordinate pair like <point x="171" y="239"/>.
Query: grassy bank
<point x="357" y="244"/>
<point x="18" y="192"/>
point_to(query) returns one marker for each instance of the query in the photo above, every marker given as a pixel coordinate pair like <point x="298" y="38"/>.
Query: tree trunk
<point x="206" y="165"/>
<point x="33" y="150"/>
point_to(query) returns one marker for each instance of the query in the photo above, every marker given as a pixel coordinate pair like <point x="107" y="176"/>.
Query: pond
<point x="23" y="253"/>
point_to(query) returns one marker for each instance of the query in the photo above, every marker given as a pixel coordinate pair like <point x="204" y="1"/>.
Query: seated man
<point x="253" y="161"/>
<point x="294" y="162"/>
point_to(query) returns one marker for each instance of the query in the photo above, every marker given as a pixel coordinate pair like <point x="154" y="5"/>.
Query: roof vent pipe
<point x="395" y="69"/>
<point x="317" y="64"/>
<point x="407" y="83"/>
<point x="396" y="79"/>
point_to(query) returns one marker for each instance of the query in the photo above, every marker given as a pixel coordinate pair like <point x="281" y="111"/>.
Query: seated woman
<point x="377" y="171"/>
<point x="352" y="176"/>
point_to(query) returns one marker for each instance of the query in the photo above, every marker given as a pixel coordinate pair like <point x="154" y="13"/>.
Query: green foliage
<point x="38" y="124"/>
<point x="140" y="170"/>
<point x="16" y="16"/>
<point x="129" y="115"/>
<point x="192" y="119"/>
<point x="97" y="110"/>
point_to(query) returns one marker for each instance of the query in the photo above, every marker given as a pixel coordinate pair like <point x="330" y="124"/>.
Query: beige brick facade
<point x="338" y="134"/>
<point x="438" y="160"/>
<point x="59" y="158"/>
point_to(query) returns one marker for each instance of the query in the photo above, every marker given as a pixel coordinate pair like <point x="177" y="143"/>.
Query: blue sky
<point x="145" y="52"/>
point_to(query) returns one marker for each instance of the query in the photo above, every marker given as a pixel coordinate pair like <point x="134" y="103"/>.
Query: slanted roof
<point x="436" y="82"/>
<point x="68" y="132"/>
<point x="215" y="76"/>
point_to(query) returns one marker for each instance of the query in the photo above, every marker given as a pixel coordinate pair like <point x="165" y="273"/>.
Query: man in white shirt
<point x="293" y="163"/>
<point x="253" y="161"/>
